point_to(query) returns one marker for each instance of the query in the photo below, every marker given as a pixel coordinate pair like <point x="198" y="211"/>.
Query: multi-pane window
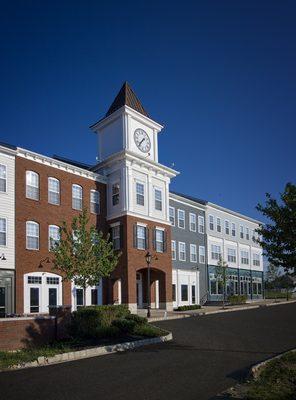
<point x="219" y="228"/>
<point x="51" y="280"/>
<point x="247" y="234"/>
<point x="34" y="300"/>
<point x="94" y="297"/>
<point x="116" y="237"/>
<point x="3" y="178"/>
<point x="32" y="235"/>
<point x="158" y="199"/>
<point x="256" y="259"/>
<point x="141" y="237"/>
<point x="115" y="194"/>
<point x="37" y="280"/>
<point x="184" y="292"/>
<point x="193" y="253"/>
<point x="159" y="240"/>
<point x="140" y="194"/>
<point x="233" y="229"/>
<point x="173" y="250"/>
<point x="182" y="251"/>
<point x="172" y="216"/>
<point x="95" y="201"/>
<point x="53" y="191"/>
<point x="53" y="236"/>
<point x="215" y="252"/>
<point x="79" y="297"/>
<point x="192" y="222"/>
<point x="3" y="232"/>
<point x="32" y="185"/>
<point x="201" y="224"/>
<point x="181" y="219"/>
<point x="77" y="197"/>
<point x="241" y="232"/>
<point x="202" y="254"/>
<point x="211" y="222"/>
<point x="227" y="227"/>
<point x="244" y="257"/>
<point x="231" y="255"/>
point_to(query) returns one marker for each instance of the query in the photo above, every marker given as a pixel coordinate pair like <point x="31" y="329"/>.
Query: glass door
<point x="2" y="301"/>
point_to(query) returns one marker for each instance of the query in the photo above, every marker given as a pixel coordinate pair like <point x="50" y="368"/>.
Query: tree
<point x="83" y="254"/>
<point x="278" y="237"/>
<point x="221" y="275"/>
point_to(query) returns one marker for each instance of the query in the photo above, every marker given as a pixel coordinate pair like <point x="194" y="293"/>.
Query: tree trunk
<point x="84" y="296"/>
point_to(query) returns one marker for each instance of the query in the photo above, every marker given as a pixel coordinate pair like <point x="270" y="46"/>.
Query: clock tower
<point x="137" y="201"/>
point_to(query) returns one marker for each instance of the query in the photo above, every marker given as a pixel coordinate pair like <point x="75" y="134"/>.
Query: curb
<point x="256" y="369"/>
<point x="88" y="353"/>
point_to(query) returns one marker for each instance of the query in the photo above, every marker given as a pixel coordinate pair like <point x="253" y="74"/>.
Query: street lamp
<point x="2" y="257"/>
<point x="148" y="261"/>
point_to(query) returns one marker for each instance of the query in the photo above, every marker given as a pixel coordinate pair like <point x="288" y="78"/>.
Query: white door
<point x="139" y="290"/>
<point x="157" y="294"/>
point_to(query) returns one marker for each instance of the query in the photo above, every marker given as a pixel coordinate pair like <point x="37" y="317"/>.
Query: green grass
<point x="149" y="331"/>
<point x="277" y="295"/>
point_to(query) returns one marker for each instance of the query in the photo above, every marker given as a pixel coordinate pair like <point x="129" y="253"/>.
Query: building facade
<point x="127" y="194"/>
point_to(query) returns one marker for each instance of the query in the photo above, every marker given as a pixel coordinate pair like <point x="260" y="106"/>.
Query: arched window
<point x="53" y="236"/>
<point x="32" y="235"/>
<point x="95" y="202"/>
<point x="77" y="197"/>
<point x="53" y="191"/>
<point x="32" y="185"/>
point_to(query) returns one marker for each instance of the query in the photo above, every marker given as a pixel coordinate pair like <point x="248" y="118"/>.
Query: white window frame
<point x="241" y="231"/>
<point x="172" y="216"/>
<point x="5" y="231"/>
<point x="50" y="238"/>
<point x="201" y="224"/>
<point x="115" y="194"/>
<point x="202" y="254"/>
<point x="29" y="175"/>
<point x="95" y="204"/>
<point x="142" y="228"/>
<point x="36" y="224"/>
<point x="51" y="178"/>
<point x="256" y="260"/>
<point x="192" y="229"/>
<point x="158" y="203"/>
<point x="174" y="250"/>
<point x="116" y="236"/>
<point x="215" y="254"/>
<point x="245" y="257"/>
<point x="231" y="257"/>
<point x="218" y="225"/>
<point x="226" y="227"/>
<point x="80" y="198"/>
<point x="180" y="244"/>
<point x="4" y="178"/>
<point x="157" y="242"/>
<point x="233" y="229"/>
<point x="211" y="222"/>
<point x="247" y="232"/>
<point x="193" y="253"/>
<point x="181" y="219"/>
<point x="139" y="194"/>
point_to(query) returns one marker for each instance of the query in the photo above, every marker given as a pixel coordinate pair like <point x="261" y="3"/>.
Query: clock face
<point x="142" y="140"/>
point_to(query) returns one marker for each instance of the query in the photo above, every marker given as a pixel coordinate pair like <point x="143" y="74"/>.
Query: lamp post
<point x="148" y="261"/>
<point x="2" y="257"/>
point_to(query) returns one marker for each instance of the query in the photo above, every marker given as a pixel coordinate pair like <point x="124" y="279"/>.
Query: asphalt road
<point x="208" y="354"/>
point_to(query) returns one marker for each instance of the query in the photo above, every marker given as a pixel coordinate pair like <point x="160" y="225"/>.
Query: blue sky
<point x="220" y="75"/>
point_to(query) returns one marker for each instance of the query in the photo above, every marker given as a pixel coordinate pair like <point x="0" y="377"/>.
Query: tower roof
<point x="126" y="97"/>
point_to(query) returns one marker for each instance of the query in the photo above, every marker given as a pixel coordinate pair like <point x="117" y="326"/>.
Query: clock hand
<point x="141" y="141"/>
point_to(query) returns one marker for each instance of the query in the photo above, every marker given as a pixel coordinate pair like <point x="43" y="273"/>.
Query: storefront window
<point x="184" y="292"/>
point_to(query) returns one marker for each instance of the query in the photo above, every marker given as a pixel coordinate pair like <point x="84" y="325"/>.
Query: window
<point x="32" y="235"/>
<point x="174" y="292"/>
<point x="245" y="257"/>
<point x="53" y="236"/>
<point x="174" y="250"/>
<point x="79" y="297"/>
<point x="193" y="253"/>
<point x="115" y="231"/>
<point x="181" y="219"/>
<point x="94" y="297"/>
<point x="256" y="260"/>
<point x="35" y="280"/>
<point x="115" y="194"/>
<point x="233" y="229"/>
<point x="95" y="201"/>
<point x="3" y="178"/>
<point x="219" y="229"/>
<point x="32" y="185"/>
<point x="201" y="224"/>
<point x="193" y="294"/>
<point x="231" y="255"/>
<point x="141" y="237"/>
<point x="158" y="199"/>
<point x="211" y="222"/>
<point x="192" y="222"/>
<point x="34" y="300"/>
<point x="215" y="252"/>
<point x="241" y="230"/>
<point x="139" y="194"/>
<point x="53" y="191"/>
<point x="3" y="232"/>
<point x="247" y="234"/>
<point x="159" y="240"/>
<point x="182" y="251"/>
<point x="184" y="292"/>
<point x="50" y="280"/>
<point x="77" y="197"/>
<point x="202" y="254"/>
<point x="227" y="227"/>
<point x="172" y="216"/>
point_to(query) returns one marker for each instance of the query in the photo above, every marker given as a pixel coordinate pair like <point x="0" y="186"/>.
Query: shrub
<point x="186" y="308"/>
<point x="124" y="325"/>
<point x="149" y="331"/>
<point x="237" y="299"/>
<point x="139" y="320"/>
